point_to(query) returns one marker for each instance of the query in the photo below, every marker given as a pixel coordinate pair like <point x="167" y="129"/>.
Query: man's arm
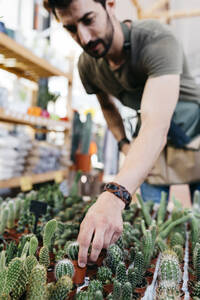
<point x="113" y="118"/>
<point x="104" y="217"/>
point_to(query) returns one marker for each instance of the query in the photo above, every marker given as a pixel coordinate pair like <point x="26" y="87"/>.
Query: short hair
<point x="61" y="4"/>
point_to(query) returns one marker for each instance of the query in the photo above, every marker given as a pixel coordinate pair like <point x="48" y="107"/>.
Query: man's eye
<point x="71" y="28"/>
<point x="88" y="21"/>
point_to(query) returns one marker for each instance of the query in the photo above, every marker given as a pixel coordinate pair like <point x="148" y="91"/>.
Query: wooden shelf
<point x="27" y="65"/>
<point x="35" y="178"/>
<point x="25" y="119"/>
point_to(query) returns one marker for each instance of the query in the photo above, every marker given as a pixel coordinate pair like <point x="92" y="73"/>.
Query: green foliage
<point x="4" y="218"/>
<point x="33" y="245"/>
<point x="44" y="256"/>
<point x="37" y="283"/>
<point x="121" y="273"/>
<point x="114" y="257"/>
<point x="62" y="288"/>
<point x="72" y="250"/>
<point x="49" y="231"/>
<point x="169" y="228"/>
<point x="64" y="267"/>
<point x="104" y="274"/>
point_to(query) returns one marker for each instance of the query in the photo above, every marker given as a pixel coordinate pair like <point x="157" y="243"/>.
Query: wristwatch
<point x="119" y="191"/>
<point x="122" y="142"/>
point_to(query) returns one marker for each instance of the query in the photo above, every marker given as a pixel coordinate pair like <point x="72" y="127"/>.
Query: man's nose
<point x="84" y="35"/>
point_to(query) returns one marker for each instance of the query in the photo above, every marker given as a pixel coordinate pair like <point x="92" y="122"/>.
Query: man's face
<point x="89" y="24"/>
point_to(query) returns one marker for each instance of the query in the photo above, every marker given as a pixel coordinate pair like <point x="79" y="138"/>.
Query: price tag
<point x="58" y="177"/>
<point x="26" y="183"/>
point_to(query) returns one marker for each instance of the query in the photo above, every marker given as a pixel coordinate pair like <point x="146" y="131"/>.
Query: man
<point x="142" y="65"/>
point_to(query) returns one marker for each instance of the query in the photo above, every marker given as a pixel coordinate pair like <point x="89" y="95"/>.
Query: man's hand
<point x="103" y="223"/>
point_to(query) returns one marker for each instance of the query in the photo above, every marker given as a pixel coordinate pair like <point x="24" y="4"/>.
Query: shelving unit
<point x="20" y="61"/>
<point x="57" y="176"/>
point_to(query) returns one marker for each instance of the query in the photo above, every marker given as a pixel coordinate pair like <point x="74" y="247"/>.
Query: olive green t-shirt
<point x="154" y="52"/>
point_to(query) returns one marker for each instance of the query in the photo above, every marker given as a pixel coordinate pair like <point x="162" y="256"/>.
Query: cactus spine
<point x="121" y="273"/>
<point x="30" y="263"/>
<point x="33" y="245"/>
<point x="114" y="257"/>
<point x="127" y="291"/>
<point x="104" y="275"/>
<point x="14" y="271"/>
<point x="62" y="288"/>
<point x="72" y="251"/>
<point x="49" y="231"/>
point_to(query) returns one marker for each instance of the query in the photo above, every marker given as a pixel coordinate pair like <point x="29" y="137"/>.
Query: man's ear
<point x="110" y="6"/>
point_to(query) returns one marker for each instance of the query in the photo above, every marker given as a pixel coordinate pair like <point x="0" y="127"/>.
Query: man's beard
<point x="106" y="42"/>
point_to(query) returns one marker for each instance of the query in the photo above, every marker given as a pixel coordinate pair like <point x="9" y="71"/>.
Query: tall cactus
<point x="121" y="273"/>
<point x="139" y="266"/>
<point x="30" y="263"/>
<point x="4" y="219"/>
<point x="127" y="291"/>
<point x="49" y="231"/>
<point x="162" y="209"/>
<point x="147" y="248"/>
<point x="117" y="289"/>
<point x="2" y="260"/>
<point x="37" y="283"/>
<point x="145" y="212"/>
<point x="11" y="215"/>
<point x="13" y="274"/>
<point x="114" y="257"/>
<point x="33" y="245"/>
<point x="18" y="202"/>
<point x="194" y="231"/>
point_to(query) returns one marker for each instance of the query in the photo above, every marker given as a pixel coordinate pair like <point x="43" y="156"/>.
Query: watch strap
<point x="119" y="191"/>
<point x="122" y="142"/>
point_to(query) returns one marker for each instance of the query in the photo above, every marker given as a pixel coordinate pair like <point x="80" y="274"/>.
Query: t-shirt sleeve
<point x="163" y="56"/>
<point x="86" y="76"/>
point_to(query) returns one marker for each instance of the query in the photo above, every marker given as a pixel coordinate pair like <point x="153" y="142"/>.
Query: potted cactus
<point x="72" y="253"/>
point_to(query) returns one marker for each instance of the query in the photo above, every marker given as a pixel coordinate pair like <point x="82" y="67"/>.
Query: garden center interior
<point x="63" y="153"/>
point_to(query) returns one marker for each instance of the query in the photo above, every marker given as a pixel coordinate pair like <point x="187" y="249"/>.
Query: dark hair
<point x="53" y="4"/>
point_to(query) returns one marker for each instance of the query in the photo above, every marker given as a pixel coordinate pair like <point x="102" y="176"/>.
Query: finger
<point x="115" y="238"/>
<point x="84" y="239"/>
<point x="108" y="238"/>
<point x="97" y="244"/>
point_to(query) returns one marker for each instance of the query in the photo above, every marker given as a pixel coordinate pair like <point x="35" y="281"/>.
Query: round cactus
<point x="94" y="286"/>
<point x="64" y="267"/>
<point x="104" y="275"/>
<point x="169" y="270"/>
<point x="62" y="288"/>
<point x="127" y="291"/>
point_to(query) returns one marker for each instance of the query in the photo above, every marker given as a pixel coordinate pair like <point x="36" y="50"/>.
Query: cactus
<point x="3" y="275"/>
<point x="160" y="243"/>
<point x="11" y="250"/>
<point x="33" y="245"/>
<point x="64" y="267"/>
<point x="176" y="239"/>
<point x="169" y="228"/>
<point x="162" y="209"/>
<point x="120" y="243"/>
<point x="121" y="273"/>
<point x="194" y="255"/>
<point x="30" y="263"/>
<point x="197" y="269"/>
<point x="196" y="289"/>
<point x="62" y="288"/>
<point x="72" y="250"/>
<point x="11" y="215"/>
<point x="50" y="289"/>
<point x="196" y="199"/>
<point x="44" y="258"/>
<point x="98" y="295"/>
<point x="178" y="249"/>
<point x="94" y="286"/>
<point x="104" y="274"/>
<point x="114" y="256"/>
<point x="194" y="231"/>
<point x="117" y="289"/>
<point x="18" y="202"/>
<point x="133" y="277"/>
<point x="4" y="219"/>
<point x="145" y="212"/>
<point x="2" y="260"/>
<point x="169" y="270"/>
<point x="14" y="271"/>
<point x="25" y="250"/>
<point x="127" y="291"/>
<point x="20" y="286"/>
<point x="139" y="266"/>
<point x="49" y="231"/>
<point x="147" y="248"/>
<point x="37" y="283"/>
